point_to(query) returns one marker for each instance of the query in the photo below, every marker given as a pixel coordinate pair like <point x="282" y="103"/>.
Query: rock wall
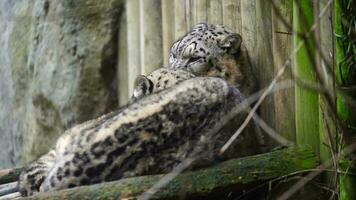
<point x="57" y="68"/>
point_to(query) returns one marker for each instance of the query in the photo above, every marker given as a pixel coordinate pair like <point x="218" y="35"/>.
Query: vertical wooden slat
<point x="264" y="57"/>
<point x="306" y="102"/>
<point x="248" y="31"/>
<point x="200" y="11"/>
<point x="122" y="63"/>
<point x="167" y="28"/>
<point x="215" y="12"/>
<point x="188" y="14"/>
<point x="133" y="42"/>
<point x="150" y="35"/>
<point x="180" y="23"/>
<point x="282" y="41"/>
<point x="232" y="14"/>
<point x="192" y="8"/>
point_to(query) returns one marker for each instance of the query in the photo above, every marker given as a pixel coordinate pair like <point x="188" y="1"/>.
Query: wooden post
<point x="150" y="35"/>
<point x="189" y="14"/>
<point x="180" y="21"/>
<point x="215" y="15"/>
<point x="200" y="11"/>
<point x="248" y="31"/>
<point x="282" y="46"/>
<point x="167" y="28"/>
<point x="264" y="58"/>
<point x="232" y="14"/>
<point x="123" y="70"/>
<point x="133" y="42"/>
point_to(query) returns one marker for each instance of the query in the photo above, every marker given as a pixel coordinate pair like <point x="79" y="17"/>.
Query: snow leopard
<point x="149" y="136"/>
<point x="214" y="50"/>
<point x="166" y="118"/>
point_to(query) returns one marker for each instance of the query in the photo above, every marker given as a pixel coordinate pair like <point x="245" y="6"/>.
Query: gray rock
<point x="57" y="68"/>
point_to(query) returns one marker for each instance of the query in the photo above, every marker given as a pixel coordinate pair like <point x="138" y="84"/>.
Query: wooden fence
<point x="149" y="27"/>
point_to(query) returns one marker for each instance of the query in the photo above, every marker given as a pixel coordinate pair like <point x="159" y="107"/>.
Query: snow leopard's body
<point x="166" y="119"/>
<point x="149" y="136"/>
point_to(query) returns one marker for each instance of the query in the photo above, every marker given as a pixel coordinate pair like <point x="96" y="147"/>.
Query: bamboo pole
<point x="306" y="101"/>
<point x="345" y="74"/>
<point x="327" y="126"/>
<point x="228" y="176"/>
<point x="345" y="77"/>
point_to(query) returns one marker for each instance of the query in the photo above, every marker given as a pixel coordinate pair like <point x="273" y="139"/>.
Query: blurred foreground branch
<point x="233" y="175"/>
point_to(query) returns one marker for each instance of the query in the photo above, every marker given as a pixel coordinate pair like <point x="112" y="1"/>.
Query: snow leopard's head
<point x="200" y="49"/>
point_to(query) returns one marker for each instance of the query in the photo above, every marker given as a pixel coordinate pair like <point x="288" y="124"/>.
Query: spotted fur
<point x="214" y="50"/>
<point x="147" y="137"/>
<point x="154" y="132"/>
<point x="158" y="80"/>
<point x="33" y="175"/>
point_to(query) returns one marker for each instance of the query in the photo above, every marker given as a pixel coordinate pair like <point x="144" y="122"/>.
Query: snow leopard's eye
<point x="194" y="59"/>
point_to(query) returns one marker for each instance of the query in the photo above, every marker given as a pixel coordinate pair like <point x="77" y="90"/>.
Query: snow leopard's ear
<point x="143" y="87"/>
<point x="231" y="42"/>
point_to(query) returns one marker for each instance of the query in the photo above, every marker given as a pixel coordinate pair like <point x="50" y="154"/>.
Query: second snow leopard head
<point x="158" y="80"/>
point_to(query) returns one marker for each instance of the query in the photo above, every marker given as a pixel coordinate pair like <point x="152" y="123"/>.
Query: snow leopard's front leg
<point x="35" y="173"/>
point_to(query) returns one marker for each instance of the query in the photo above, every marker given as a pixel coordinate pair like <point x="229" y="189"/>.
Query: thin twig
<point x="271" y="132"/>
